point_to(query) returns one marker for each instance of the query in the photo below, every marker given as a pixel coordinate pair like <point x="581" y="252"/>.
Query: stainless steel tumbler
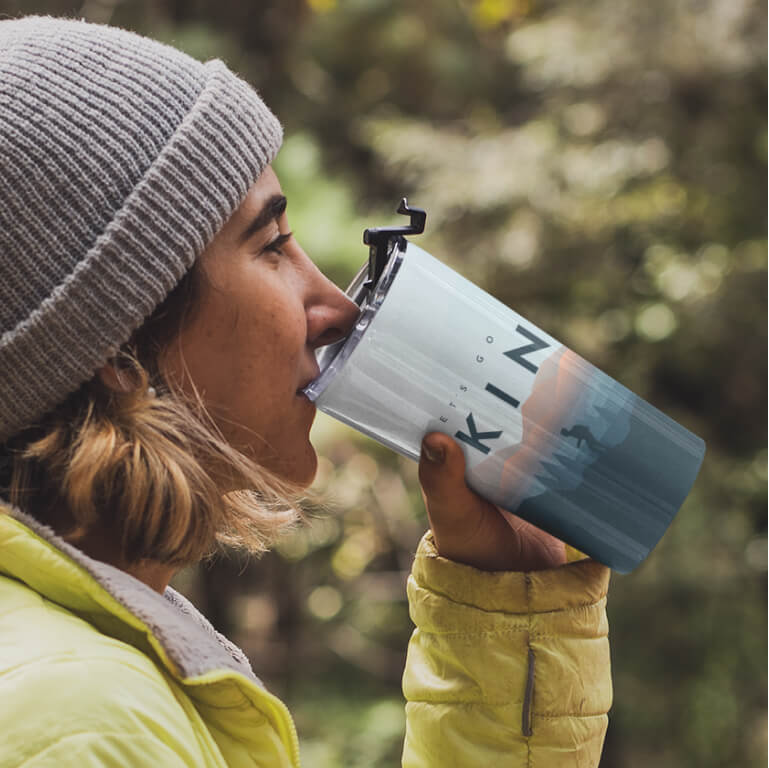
<point x="546" y="435"/>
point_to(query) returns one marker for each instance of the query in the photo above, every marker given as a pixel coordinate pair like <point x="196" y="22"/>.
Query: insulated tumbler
<point x="546" y="435"/>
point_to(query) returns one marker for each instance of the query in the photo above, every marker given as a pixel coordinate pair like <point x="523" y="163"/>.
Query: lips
<point x="306" y="383"/>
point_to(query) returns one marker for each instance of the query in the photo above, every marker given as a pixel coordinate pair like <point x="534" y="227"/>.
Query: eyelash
<point x="276" y="245"/>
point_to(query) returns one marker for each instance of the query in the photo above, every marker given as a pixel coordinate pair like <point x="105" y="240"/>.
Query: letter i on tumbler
<point x="546" y="435"/>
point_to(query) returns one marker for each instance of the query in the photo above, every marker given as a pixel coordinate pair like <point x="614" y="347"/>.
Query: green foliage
<point x="369" y="733"/>
<point x="601" y="168"/>
<point x="323" y="211"/>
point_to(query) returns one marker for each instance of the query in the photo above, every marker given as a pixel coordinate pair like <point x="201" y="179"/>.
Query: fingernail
<point x="436" y="455"/>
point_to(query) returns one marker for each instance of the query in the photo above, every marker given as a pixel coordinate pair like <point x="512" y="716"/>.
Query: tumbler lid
<point x="387" y="246"/>
<point x="369" y="297"/>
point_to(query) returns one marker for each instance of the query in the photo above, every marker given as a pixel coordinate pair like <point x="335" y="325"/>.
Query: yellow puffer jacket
<point x="96" y="669"/>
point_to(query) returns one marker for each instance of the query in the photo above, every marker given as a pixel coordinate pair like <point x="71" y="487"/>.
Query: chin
<point x="300" y="471"/>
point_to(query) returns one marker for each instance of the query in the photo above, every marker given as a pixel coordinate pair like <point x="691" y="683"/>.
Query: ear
<point x="115" y="379"/>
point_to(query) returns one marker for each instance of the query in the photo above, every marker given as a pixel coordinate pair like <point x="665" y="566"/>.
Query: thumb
<point x="466" y="528"/>
<point x="442" y="477"/>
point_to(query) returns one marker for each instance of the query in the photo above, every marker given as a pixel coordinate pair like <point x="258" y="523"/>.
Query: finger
<point x="539" y="550"/>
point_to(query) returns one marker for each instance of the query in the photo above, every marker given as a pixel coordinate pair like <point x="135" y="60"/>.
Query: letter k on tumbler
<point x="546" y="435"/>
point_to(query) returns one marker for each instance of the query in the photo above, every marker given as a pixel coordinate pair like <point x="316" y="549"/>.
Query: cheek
<point x="246" y="354"/>
<point x="270" y="344"/>
<point x="205" y="358"/>
<point x="259" y="366"/>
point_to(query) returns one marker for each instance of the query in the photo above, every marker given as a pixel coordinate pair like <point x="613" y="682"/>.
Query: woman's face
<point x="249" y="346"/>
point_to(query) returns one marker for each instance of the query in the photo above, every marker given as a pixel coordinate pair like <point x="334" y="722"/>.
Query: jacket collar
<point x="168" y="626"/>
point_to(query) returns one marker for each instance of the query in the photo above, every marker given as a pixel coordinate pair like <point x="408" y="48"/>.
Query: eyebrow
<point x="271" y="210"/>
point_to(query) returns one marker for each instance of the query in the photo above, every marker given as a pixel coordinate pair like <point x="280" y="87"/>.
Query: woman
<point x="158" y="321"/>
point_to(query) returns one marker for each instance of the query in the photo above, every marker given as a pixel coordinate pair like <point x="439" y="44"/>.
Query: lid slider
<point x="378" y="239"/>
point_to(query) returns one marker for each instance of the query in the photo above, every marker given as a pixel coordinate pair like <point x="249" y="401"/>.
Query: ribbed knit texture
<point x="120" y="159"/>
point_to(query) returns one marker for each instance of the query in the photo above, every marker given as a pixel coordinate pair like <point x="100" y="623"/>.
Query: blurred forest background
<point x="601" y="168"/>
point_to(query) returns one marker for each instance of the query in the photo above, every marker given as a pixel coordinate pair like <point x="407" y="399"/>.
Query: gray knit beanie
<point x="120" y="159"/>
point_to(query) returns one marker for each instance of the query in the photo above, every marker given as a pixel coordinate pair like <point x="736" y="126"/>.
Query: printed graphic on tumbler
<point x="582" y="462"/>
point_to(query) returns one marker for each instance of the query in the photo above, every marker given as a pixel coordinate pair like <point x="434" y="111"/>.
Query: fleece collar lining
<point x="188" y="638"/>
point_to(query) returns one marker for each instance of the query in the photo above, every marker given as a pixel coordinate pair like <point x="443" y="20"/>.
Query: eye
<point x="277" y="244"/>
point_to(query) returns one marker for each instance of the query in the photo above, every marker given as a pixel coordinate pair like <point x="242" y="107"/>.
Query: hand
<point x="467" y="528"/>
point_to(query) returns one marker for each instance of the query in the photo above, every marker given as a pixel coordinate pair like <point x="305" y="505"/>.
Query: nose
<point x="331" y="314"/>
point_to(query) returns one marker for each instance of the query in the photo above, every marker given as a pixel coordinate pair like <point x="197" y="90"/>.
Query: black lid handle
<point x="378" y="239"/>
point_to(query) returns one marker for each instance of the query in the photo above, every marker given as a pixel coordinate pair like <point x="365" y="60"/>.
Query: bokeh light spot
<point x="655" y="322"/>
<point x="324" y="602"/>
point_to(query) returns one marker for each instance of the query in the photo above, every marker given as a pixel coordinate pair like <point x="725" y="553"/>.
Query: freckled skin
<point x="250" y="344"/>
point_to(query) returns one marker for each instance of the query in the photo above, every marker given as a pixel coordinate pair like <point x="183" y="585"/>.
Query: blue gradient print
<point x="597" y="466"/>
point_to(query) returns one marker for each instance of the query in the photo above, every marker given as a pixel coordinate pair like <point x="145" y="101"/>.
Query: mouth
<point x="307" y="382"/>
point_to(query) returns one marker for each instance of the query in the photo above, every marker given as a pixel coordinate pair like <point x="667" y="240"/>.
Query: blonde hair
<point x="147" y="467"/>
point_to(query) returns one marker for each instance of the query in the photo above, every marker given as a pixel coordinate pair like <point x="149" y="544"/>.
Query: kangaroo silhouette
<point x="582" y="432"/>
